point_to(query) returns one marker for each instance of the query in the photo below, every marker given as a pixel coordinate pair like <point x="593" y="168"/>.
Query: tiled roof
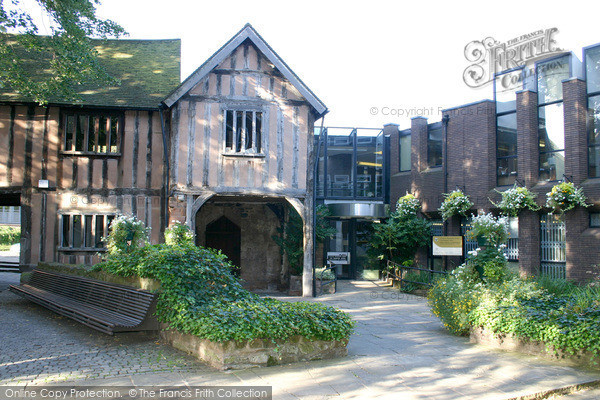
<point x="148" y="70"/>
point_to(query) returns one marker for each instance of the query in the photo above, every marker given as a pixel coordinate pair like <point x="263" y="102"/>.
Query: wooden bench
<point x="104" y="306"/>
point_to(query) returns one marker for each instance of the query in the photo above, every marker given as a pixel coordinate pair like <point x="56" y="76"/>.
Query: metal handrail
<point x="392" y="265"/>
<point x="330" y="281"/>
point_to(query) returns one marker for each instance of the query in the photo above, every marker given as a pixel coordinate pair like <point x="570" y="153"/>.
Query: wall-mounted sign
<point x="447" y="246"/>
<point x="338" y="257"/>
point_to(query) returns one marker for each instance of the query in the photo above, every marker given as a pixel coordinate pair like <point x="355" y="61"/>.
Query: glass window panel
<point x="69" y="132"/>
<point x="99" y="234"/>
<point x="506" y="131"/>
<point x="79" y="136"/>
<point x="594" y="120"/>
<point x="228" y="129"/>
<point x="595" y="220"/>
<point x="114" y="134"/>
<point x="238" y="130"/>
<point x="258" y="132"/>
<point x="249" y="125"/>
<point x="340" y="166"/>
<point x="434" y="147"/>
<point x="89" y="237"/>
<point x="66" y="231"/>
<point x="366" y="166"/>
<point x="552" y="166"/>
<point x="594" y="161"/>
<point x="551" y="127"/>
<point x="77" y="231"/>
<point x="550" y="75"/>
<point x="592" y="67"/>
<point x="507" y="171"/>
<point x="405" y="153"/>
<point x="506" y="86"/>
<point x="102" y="136"/>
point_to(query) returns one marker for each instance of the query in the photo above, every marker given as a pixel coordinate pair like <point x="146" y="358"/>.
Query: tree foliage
<point x="291" y="237"/>
<point x="399" y="238"/>
<point x="67" y="54"/>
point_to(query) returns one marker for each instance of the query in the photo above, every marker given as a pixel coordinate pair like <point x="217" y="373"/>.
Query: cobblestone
<point x="39" y="346"/>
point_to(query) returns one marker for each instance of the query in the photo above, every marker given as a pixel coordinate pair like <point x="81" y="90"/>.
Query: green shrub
<point x="324" y="274"/>
<point x="126" y="234"/>
<point x="179" y="234"/>
<point x="10" y="235"/>
<point x="452" y="301"/>
<point x="560" y="314"/>
<point x="414" y="276"/>
<point x="200" y="296"/>
<point x="399" y="238"/>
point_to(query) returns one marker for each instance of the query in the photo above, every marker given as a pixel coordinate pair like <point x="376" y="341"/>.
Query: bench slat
<point x="100" y="305"/>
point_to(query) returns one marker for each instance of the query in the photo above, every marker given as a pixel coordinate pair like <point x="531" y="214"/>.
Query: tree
<point x="399" y="238"/>
<point x="60" y="61"/>
<point x="291" y="236"/>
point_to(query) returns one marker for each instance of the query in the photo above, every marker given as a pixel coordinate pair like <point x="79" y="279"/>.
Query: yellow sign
<point x="447" y="246"/>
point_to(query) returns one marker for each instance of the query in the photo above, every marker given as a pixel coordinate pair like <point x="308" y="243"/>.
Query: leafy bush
<point x="10" y="235"/>
<point x="126" y="234"/>
<point x="562" y="315"/>
<point x="455" y="203"/>
<point x="564" y="197"/>
<point x="517" y="199"/>
<point x="324" y="274"/>
<point x="200" y="296"/>
<point x="414" y="276"/>
<point x="399" y="238"/>
<point x="179" y="234"/>
<point x="452" y="301"/>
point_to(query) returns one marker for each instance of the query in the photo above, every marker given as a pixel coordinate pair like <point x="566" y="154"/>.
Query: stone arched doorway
<point x="223" y="234"/>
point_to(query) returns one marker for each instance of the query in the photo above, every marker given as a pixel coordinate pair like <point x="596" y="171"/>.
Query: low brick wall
<point x="509" y="342"/>
<point x="254" y="353"/>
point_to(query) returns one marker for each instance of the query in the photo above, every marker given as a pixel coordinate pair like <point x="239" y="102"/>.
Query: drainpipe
<point x="314" y="216"/>
<point x="445" y="120"/>
<point x="161" y="109"/>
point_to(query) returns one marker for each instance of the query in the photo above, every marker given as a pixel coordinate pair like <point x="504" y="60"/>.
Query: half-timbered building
<point x="228" y="151"/>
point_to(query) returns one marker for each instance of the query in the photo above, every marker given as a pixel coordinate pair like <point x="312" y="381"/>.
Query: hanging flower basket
<point x="408" y="205"/>
<point x="564" y="197"/>
<point x="455" y="203"/>
<point x="515" y="200"/>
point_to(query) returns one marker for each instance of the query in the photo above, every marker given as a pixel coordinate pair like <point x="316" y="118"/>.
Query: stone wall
<point x="254" y="353"/>
<point x="506" y="342"/>
<point x="261" y="261"/>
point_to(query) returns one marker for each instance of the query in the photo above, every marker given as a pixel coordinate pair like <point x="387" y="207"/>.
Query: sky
<point x="371" y="62"/>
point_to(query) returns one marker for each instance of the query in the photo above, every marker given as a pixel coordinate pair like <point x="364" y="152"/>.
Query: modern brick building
<point x="542" y="128"/>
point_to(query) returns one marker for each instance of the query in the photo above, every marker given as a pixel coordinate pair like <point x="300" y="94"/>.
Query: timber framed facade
<point x="226" y="151"/>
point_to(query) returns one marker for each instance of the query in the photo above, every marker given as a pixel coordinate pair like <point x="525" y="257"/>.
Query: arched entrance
<point x="222" y="234"/>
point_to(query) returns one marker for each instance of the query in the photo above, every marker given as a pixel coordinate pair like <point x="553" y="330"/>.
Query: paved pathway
<point x="399" y="350"/>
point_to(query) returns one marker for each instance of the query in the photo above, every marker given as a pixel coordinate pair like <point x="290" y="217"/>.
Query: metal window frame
<point x="71" y="215"/>
<point x="108" y="115"/>
<point x="436" y="125"/>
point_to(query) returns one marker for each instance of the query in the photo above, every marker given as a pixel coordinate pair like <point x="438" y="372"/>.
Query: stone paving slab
<point x="399" y="350"/>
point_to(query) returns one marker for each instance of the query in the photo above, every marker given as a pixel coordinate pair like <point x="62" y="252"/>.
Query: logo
<point x="488" y="56"/>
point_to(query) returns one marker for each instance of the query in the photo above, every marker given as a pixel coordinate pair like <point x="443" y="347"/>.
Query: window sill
<point x="243" y="155"/>
<point x="89" y="154"/>
<point x="83" y="249"/>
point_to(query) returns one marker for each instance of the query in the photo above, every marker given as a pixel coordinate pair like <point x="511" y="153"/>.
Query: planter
<point x="295" y="285"/>
<point x="256" y="352"/>
<point x="509" y="342"/>
<point x="327" y="289"/>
